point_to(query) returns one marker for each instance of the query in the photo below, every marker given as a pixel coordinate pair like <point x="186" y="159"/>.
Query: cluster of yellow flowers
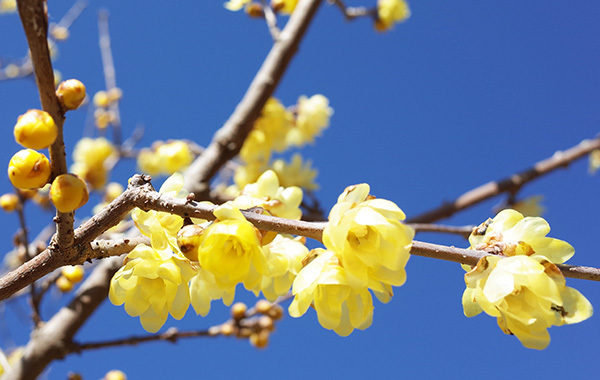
<point x="205" y="261"/>
<point x="519" y="283"/>
<point x="8" y="6"/>
<point x="278" y="129"/>
<point x="367" y="248"/>
<point x="103" y="100"/>
<point x="29" y="169"/>
<point x="92" y="160"/>
<point x="165" y="158"/>
<point x="69" y="276"/>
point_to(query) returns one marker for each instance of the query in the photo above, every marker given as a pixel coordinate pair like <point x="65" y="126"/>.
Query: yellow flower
<point x="236" y="5"/>
<point x="323" y="283"/>
<point x="390" y="12"/>
<point x="8" y="6"/>
<point x="166" y="158"/>
<point x="530" y="206"/>
<point x="527" y="294"/>
<point x="91" y="160"/>
<point x="284" y="260"/>
<point x="296" y="173"/>
<point x="510" y="234"/>
<point x="230" y="249"/>
<point x="162" y="225"/>
<point x="35" y="130"/>
<point x="367" y="235"/>
<point x="152" y="284"/>
<point x="249" y="173"/>
<point x="594" y="164"/>
<point x="204" y="289"/>
<point x="275" y="121"/>
<point x="284" y="6"/>
<point x="312" y="117"/>
<point x="29" y="169"/>
<point x="266" y="193"/>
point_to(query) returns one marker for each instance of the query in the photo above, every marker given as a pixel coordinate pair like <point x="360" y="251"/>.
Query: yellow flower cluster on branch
<point x="92" y="160"/>
<point x="520" y="284"/>
<point x="278" y="129"/>
<point x="165" y="158"/>
<point x="367" y="248"/>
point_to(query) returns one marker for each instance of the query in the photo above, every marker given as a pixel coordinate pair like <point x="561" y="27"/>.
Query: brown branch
<point x="172" y="335"/>
<point x="50" y="342"/>
<point x="228" y="140"/>
<point x="465" y="231"/>
<point x="510" y="184"/>
<point x="34" y="17"/>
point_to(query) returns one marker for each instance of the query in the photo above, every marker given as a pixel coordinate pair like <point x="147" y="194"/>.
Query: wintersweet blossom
<point x="520" y="283"/>
<point x="323" y="283"/>
<point x="527" y="294"/>
<point x="511" y="234"/>
<point x="162" y="224"/>
<point x="152" y="284"/>
<point x="390" y="12"/>
<point x="236" y="5"/>
<point x="367" y="235"/>
<point x="284" y="6"/>
<point x="266" y="193"/>
<point x="312" y="117"/>
<point x="204" y="289"/>
<point x="165" y="158"/>
<point x="230" y="249"/>
<point x="284" y="260"/>
<point x="297" y="172"/>
<point x="92" y="160"/>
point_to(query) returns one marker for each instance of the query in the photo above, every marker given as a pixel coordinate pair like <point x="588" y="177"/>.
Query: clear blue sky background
<point x="463" y="93"/>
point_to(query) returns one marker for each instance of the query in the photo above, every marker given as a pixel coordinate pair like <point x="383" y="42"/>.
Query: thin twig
<point x="171" y="335"/>
<point x="271" y="20"/>
<point x="110" y="78"/>
<point x="351" y="13"/>
<point x="509" y="184"/>
<point x="228" y="140"/>
<point x="72" y="14"/>
<point x="35" y="23"/>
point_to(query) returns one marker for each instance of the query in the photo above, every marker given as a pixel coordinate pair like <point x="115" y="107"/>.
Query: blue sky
<point x="462" y="93"/>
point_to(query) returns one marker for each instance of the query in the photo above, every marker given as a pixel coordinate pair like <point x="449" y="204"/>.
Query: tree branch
<point x="509" y="184"/>
<point x="228" y="140"/>
<point x="50" y="342"/>
<point x="34" y="17"/>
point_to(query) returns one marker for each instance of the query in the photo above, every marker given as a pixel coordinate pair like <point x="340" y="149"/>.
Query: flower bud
<point x="254" y="10"/>
<point x="188" y="239"/>
<point x="73" y="273"/>
<point x="238" y="311"/>
<point x="260" y="339"/>
<point x="9" y="202"/>
<point x="35" y="130"/>
<point x="29" y="169"/>
<point x="263" y="306"/>
<point x="63" y="284"/>
<point x="68" y="192"/>
<point x="115" y="374"/>
<point x="71" y="93"/>
<point x="101" y="99"/>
